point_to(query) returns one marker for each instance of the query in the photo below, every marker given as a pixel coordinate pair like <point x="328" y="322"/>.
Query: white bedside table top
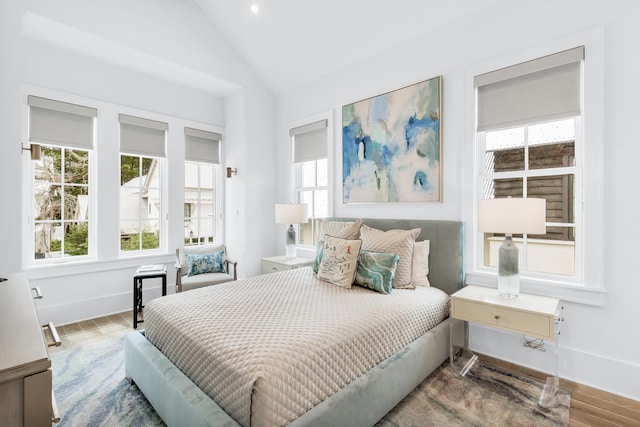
<point x="525" y="302"/>
<point x="284" y="260"/>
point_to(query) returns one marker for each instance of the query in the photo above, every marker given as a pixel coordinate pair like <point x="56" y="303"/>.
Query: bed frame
<point x="179" y="401"/>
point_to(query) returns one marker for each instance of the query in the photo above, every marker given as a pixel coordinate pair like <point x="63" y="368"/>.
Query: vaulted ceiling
<point x="292" y="42"/>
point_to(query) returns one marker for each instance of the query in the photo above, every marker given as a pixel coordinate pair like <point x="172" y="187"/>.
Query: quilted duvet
<point x="269" y="348"/>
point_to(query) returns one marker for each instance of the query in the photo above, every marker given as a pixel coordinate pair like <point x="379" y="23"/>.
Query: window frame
<point x="162" y="228"/>
<point x="295" y="174"/>
<point x="216" y="222"/>
<point x="90" y="221"/>
<point x="588" y="285"/>
<point x="27" y="205"/>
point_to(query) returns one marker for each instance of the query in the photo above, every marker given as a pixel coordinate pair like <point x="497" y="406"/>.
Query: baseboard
<point x="77" y="311"/>
<point x="615" y="376"/>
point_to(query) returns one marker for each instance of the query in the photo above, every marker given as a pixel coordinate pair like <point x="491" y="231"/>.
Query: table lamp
<point x="291" y="214"/>
<point x="511" y="216"/>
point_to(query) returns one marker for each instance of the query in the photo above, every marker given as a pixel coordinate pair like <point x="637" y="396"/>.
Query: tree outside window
<point x="61" y="203"/>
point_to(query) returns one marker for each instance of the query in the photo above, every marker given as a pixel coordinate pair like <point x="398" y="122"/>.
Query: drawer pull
<point x="54" y="335"/>
<point x="497" y="316"/>
<point x="38" y="293"/>
<point x="55" y="414"/>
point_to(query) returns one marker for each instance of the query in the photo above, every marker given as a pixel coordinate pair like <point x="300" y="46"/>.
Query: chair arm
<point x="228" y="261"/>
<point x="178" y="278"/>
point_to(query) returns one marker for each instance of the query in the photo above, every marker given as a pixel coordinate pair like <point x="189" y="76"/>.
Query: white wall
<point x="599" y="345"/>
<point x="161" y="57"/>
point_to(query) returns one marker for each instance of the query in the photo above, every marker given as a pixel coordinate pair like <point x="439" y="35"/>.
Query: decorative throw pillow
<point x="376" y="270"/>
<point x="318" y="258"/>
<point x="420" y="268"/>
<point x="205" y="263"/>
<point x="339" y="261"/>
<point x="196" y="250"/>
<point x="341" y="229"/>
<point x="398" y="242"/>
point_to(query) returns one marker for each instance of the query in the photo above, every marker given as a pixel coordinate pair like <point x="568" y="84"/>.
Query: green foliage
<point x="133" y="166"/>
<point x="77" y="240"/>
<point x="150" y="240"/>
<point x="56" y="246"/>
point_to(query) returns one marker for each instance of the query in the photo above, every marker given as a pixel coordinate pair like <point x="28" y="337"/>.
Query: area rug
<point x="91" y="390"/>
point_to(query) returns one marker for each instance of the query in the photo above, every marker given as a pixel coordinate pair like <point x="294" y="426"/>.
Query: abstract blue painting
<point x="392" y="145"/>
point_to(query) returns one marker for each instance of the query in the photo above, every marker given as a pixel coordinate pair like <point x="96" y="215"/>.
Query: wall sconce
<point x="36" y="151"/>
<point x="231" y="171"/>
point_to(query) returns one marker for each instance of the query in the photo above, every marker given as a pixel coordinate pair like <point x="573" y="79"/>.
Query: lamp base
<point x="291" y="242"/>
<point x="508" y="271"/>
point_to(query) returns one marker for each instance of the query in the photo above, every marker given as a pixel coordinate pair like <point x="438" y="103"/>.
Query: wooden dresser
<point x="26" y="397"/>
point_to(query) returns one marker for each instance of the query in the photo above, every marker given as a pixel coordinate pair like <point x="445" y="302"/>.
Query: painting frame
<point x="392" y="146"/>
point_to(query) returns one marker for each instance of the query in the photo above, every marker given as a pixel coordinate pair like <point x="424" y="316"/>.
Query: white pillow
<point x="420" y="267"/>
<point x="339" y="261"/>
<point x="399" y="242"/>
<point x="341" y="229"/>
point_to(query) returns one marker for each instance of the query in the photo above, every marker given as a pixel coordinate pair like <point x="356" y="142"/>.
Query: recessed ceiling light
<point x="254" y="8"/>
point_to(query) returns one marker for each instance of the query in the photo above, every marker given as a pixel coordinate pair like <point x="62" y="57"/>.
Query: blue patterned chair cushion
<point x="376" y="270"/>
<point x="205" y="263"/>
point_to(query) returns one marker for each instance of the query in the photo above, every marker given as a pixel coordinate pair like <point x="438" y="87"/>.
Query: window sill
<point x="581" y="294"/>
<point x="70" y="268"/>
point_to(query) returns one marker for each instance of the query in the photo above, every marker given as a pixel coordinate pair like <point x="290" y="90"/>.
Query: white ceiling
<point x="292" y="42"/>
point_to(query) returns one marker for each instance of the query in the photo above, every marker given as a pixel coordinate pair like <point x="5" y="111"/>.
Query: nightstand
<point x="282" y="263"/>
<point x="531" y="315"/>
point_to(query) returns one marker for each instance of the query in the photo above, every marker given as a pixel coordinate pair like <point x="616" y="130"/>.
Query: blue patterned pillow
<point x="206" y="263"/>
<point x="376" y="270"/>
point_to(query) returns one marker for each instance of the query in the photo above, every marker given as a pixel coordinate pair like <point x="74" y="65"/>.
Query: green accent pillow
<point x="376" y="270"/>
<point x="318" y="258"/>
<point x="205" y="263"/>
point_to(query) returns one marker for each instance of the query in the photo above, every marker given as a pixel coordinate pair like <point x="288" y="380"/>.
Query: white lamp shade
<point x="291" y="214"/>
<point x="512" y="216"/>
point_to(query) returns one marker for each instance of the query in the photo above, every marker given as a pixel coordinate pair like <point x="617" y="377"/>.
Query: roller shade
<point x="309" y="141"/>
<point x="547" y="88"/>
<point x="60" y="123"/>
<point x="201" y="146"/>
<point x="142" y="137"/>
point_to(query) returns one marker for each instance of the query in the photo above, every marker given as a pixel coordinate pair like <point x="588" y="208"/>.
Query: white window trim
<point x="27" y="206"/>
<point x="591" y="289"/>
<point x="328" y="116"/>
<point x="105" y="250"/>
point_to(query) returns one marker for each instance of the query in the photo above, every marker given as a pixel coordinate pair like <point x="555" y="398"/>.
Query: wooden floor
<point x="94" y="330"/>
<point x="589" y="407"/>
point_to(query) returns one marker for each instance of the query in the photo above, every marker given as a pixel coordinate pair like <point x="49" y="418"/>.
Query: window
<point x="535" y="161"/>
<point x="61" y="202"/>
<point x="142" y="147"/>
<point x="201" y="172"/>
<point x="532" y="140"/>
<point x="61" y="183"/>
<point x="311" y="176"/>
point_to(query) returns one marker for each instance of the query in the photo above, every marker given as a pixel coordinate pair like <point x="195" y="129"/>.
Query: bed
<point x="373" y="385"/>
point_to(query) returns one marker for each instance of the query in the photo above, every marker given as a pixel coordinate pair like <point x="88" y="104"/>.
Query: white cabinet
<point x="26" y="397"/>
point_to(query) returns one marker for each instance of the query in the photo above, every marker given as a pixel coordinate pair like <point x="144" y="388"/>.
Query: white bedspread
<point x="269" y="348"/>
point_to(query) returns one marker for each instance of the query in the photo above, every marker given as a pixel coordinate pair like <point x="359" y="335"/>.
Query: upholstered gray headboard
<point x="446" y="266"/>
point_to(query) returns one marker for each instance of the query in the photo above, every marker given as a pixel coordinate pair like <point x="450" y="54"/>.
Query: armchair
<point x="184" y="282"/>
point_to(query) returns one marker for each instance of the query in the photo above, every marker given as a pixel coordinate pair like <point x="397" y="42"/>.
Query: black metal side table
<point x="144" y="273"/>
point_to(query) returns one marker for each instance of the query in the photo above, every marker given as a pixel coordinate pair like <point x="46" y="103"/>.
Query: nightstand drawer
<point x="270" y="267"/>
<point x="528" y="323"/>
